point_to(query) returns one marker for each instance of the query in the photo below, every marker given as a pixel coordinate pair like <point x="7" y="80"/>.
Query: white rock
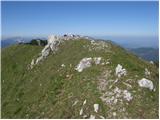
<point x="45" y="48"/>
<point x="52" y="45"/>
<point x="84" y="63"/>
<point x="120" y="71"/>
<point x="127" y="95"/>
<point x="87" y="62"/>
<point x="102" y="117"/>
<point x="84" y="102"/>
<point x="97" y="60"/>
<point x="84" y="116"/>
<point x="51" y="38"/>
<point x="117" y="90"/>
<point x="63" y="65"/>
<point x="103" y="63"/>
<point x="54" y="41"/>
<point x="107" y="63"/>
<point x="114" y="114"/>
<point x="145" y="83"/>
<point x="115" y="101"/>
<point x="112" y="98"/>
<point x="67" y="76"/>
<point x="151" y="62"/>
<point x="147" y="73"/>
<point x="81" y="111"/>
<point x="154" y="89"/>
<point x="71" y="36"/>
<point x="92" y="117"/>
<point x="39" y="59"/>
<point x="96" y="107"/>
<point x="32" y="64"/>
<point x="75" y="103"/>
<point x="45" y="52"/>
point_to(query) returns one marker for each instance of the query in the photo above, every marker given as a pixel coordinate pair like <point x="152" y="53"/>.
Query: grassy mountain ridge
<point x="50" y="91"/>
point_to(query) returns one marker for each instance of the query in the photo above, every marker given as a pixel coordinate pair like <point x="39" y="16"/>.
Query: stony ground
<point x="82" y="79"/>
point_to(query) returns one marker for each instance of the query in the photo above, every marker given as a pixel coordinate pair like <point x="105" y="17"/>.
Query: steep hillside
<point x="59" y="87"/>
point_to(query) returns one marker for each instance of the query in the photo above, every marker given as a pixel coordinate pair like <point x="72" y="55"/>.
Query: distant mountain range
<point x="5" y="42"/>
<point x="133" y="41"/>
<point x="15" y="40"/>
<point x="149" y="54"/>
<point x="9" y="41"/>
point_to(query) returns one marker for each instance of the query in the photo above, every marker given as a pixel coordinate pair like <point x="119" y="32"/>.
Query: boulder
<point x="145" y="83"/>
<point x="96" y="107"/>
<point x="120" y="71"/>
<point x="87" y="62"/>
<point x="54" y="42"/>
<point x="84" y="63"/>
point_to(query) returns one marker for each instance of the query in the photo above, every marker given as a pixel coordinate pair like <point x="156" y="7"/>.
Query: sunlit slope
<point x="52" y="91"/>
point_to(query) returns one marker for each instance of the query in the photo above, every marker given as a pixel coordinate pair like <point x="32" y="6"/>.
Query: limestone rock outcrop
<point x="53" y="43"/>
<point x="146" y="83"/>
<point x="87" y="62"/>
<point x="120" y="71"/>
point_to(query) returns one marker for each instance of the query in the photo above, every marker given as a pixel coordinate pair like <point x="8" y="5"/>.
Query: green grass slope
<point x="49" y="90"/>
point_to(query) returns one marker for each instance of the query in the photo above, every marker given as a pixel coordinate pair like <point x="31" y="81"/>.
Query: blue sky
<point x="86" y="18"/>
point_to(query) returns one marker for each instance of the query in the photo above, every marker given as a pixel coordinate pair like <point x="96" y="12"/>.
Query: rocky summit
<point x="74" y="76"/>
